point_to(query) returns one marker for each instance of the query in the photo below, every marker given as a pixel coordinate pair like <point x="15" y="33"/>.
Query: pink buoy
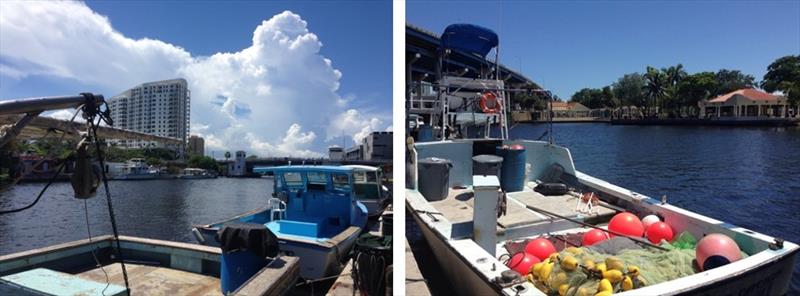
<point x="522" y="262"/>
<point x="594" y="236"/>
<point x="540" y="247"/>
<point x="658" y="231"/>
<point x="715" y="250"/>
<point x="627" y="224"/>
<point x="649" y="220"/>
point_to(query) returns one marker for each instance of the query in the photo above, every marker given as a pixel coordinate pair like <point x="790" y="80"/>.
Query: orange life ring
<point x="490" y="96"/>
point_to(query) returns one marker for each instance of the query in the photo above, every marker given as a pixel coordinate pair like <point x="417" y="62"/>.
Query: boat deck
<point x="152" y="280"/>
<point x="457" y="207"/>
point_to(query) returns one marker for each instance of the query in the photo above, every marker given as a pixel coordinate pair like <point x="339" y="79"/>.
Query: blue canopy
<point x="469" y="38"/>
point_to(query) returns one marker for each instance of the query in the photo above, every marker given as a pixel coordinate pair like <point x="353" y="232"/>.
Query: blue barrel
<point x="237" y="267"/>
<point x="425" y="134"/>
<point x="512" y="173"/>
<point x="245" y="249"/>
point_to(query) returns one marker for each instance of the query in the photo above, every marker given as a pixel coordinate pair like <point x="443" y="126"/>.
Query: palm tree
<point x="655" y="87"/>
<point x="227" y="155"/>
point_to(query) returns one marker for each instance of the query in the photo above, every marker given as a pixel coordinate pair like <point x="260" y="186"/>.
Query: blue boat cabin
<point x="319" y="201"/>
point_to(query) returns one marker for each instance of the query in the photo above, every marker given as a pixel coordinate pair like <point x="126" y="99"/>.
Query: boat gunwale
<point x="692" y="283"/>
<point x="325" y="243"/>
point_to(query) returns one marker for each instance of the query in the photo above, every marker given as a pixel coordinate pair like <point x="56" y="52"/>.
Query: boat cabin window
<point x="293" y="179"/>
<point x="365" y="177"/>
<point x="316" y="181"/>
<point x="341" y="182"/>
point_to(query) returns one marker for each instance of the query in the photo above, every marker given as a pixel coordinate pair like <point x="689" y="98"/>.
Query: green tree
<point x="609" y="100"/>
<point x="227" y="155"/>
<point x="731" y="80"/>
<point x="697" y="87"/>
<point x="784" y="75"/>
<point x="655" y="87"/>
<point x="203" y="162"/>
<point x="674" y="75"/>
<point x="629" y="89"/>
<point x="589" y="97"/>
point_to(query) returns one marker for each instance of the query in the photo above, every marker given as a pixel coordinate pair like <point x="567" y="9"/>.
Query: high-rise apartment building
<point x="196" y="146"/>
<point x="158" y="108"/>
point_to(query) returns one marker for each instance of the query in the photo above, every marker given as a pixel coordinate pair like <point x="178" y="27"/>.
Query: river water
<point x="160" y="209"/>
<point x="749" y="177"/>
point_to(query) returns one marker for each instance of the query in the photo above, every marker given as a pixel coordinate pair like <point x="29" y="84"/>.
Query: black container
<point x="486" y="165"/>
<point x="434" y="178"/>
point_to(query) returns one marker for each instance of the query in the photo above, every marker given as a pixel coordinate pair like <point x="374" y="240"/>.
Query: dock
<point x="710" y="122"/>
<point x="415" y="283"/>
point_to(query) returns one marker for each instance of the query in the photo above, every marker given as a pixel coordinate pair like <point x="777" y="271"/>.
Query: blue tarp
<point x="469" y="38"/>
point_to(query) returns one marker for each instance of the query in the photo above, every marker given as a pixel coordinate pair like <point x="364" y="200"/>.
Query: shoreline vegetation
<point x="51" y="149"/>
<point x="671" y="92"/>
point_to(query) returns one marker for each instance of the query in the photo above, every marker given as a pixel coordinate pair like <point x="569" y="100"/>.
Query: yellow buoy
<point x="633" y="270"/>
<point x="615" y="263"/>
<point x="627" y="284"/>
<point x="562" y="290"/>
<point x="569" y="263"/>
<point x="574" y="251"/>
<point x="615" y="276"/>
<point x="544" y="274"/>
<point x="589" y="264"/>
<point x="536" y="268"/>
<point x="605" y="285"/>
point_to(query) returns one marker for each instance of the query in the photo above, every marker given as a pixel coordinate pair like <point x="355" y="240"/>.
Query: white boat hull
<point x="471" y="270"/>
<point x="772" y="278"/>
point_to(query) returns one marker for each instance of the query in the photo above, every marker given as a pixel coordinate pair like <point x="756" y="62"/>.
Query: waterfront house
<point x="569" y="110"/>
<point x="747" y="103"/>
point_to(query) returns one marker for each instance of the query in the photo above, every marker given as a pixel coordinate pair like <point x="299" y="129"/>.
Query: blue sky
<point x="308" y="74"/>
<point x="567" y="46"/>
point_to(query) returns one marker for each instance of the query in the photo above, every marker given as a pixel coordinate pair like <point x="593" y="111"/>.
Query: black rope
<point x="89" y="112"/>
<point x="49" y="182"/>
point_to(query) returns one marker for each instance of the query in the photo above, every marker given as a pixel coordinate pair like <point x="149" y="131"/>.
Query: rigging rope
<point x="49" y="182"/>
<point x="90" y="111"/>
<point x="35" y="165"/>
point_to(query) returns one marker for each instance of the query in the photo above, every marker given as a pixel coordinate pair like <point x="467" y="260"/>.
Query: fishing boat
<point x="314" y="212"/>
<point x="195" y="173"/>
<point x="369" y="189"/>
<point x="138" y="169"/>
<point x="121" y="265"/>
<point x="481" y="201"/>
<point x="154" y="267"/>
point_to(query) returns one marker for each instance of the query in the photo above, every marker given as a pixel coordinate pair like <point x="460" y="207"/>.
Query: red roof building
<point x="746" y="102"/>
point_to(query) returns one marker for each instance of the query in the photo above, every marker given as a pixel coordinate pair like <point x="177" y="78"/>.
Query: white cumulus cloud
<point x="271" y="98"/>
<point x="352" y="122"/>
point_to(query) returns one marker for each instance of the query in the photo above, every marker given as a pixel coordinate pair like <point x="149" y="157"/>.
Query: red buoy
<point x="522" y="262"/>
<point x="658" y="231"/>
<point x="627" y="224"/>
<point x="540" y="247"/>
<point x="594" y="236"/>
<point x="715" y="250"/>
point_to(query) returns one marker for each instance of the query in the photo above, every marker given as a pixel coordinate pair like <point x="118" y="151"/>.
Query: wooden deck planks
<point x="150" y="280"/>
<point x="457" y="207"/>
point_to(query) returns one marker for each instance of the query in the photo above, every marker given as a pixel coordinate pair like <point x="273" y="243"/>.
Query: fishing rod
<point x="637" y="240"/>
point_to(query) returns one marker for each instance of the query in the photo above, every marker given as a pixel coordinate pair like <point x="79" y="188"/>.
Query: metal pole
<point x="33" y="105"/>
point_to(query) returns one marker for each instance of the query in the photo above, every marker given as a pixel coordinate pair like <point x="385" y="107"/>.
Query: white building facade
<point x="158" y="108"/>
<point x="747" y="103"/>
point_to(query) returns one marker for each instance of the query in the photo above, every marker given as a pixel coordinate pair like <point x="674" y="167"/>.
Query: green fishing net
<point x="654" y="266"/>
